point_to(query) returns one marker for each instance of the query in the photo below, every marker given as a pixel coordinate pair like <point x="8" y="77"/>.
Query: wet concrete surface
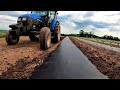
<point x="67" y="62"/>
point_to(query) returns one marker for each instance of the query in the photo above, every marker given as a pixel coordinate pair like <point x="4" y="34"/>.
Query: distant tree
<point x="86" y="34"/>
<point x="81" y="33"/>
<point x="109" y="37"/>
<point x="105" y="37"/>
<point x="91" y="34"/>
<point x="116" y="38"/>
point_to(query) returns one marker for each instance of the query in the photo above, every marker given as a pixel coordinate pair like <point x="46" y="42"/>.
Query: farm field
<point x="18" y="61"/>
<point x="2" y="33"/>
<point x="107" y="61"/>
<point x="102" y="41"/>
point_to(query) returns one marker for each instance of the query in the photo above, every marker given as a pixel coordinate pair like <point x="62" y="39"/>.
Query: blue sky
<point x="99" y="22"/>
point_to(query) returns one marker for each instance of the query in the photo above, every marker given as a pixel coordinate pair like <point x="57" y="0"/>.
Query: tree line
<point x="82" y="33"/>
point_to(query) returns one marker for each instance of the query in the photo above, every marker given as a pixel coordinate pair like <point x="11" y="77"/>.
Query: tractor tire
<point x="45" y="38"/>
<point x="33" y="37"/>
<point x="11" y="39"/>
<point x="57" y="33"/>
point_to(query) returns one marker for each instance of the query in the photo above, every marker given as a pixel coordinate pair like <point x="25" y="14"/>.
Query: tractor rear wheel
<point x="11" y="39"/>
<point x="57" y="32"/>
<point x="33" y="37"/>
<point x="45" y="38"/>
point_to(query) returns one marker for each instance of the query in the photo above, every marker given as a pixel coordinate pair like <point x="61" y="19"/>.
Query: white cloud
<point x="106" y="31"/>
<point x="63" y="13"/>
<point x="22" y="12"/>
<point x="7" y="17"/>
<point x="89" y="28"/>
<point x="102" y="31"/>
<point x="109" y="17"/>
<point x="115" y="27"/>
<point x="68" y="25"/>
<point x="105" y="16"/>
<point x="68" y="30"/>
<point x="74" y="15"/>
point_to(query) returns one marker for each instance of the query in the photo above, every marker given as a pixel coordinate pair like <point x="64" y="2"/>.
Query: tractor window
<point x="43" y="13"/>
<point x="51" y="15"/>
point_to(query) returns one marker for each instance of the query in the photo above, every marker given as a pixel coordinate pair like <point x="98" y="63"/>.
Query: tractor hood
<point x="34" y="16"/>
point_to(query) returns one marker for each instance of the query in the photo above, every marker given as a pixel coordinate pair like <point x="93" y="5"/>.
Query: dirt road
<point x="18" y="61"/>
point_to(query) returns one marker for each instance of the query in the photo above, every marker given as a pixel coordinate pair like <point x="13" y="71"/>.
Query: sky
<point x="99" y="22"/>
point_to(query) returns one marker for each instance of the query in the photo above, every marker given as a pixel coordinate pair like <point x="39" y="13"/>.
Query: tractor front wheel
<point x="45" y="38"/>
<point x="11" y="39"/>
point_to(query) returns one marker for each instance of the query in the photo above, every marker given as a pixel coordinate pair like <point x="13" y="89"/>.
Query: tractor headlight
<point x="24" y="19"/>
<point x="19" y="19"/>
<point x="34" y="26"/>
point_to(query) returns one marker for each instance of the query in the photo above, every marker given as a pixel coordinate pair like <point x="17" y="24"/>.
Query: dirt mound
<point x="18" y="61"/>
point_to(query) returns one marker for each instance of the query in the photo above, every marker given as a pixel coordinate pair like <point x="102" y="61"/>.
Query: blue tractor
<point x="41" y="26"/>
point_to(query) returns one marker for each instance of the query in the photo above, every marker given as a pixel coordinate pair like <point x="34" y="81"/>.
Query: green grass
<point x="2" y="33"/>
<point x="98" y="40"/>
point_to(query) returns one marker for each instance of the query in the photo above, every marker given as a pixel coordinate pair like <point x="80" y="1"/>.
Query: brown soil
<point x="18" y="61"/>
<point x="107" y="61"/>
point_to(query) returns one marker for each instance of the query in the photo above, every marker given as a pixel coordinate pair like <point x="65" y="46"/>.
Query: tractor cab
<point x="42" y="13"/>
<point x="50" y="14"/>
<point x="46" y="16"/>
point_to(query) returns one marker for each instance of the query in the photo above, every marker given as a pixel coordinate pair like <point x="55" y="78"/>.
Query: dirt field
<point x="18" y="61"/>
<point x="107" y="61"/>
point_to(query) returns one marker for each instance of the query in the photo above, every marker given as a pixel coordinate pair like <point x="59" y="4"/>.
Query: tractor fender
<point x="53" y="24"/>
